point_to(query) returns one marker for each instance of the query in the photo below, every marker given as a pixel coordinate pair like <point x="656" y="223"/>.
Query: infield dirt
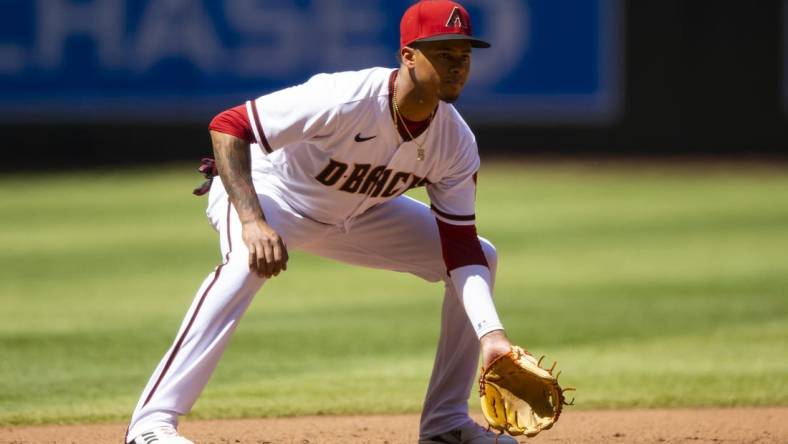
<point x="714" y="425"/>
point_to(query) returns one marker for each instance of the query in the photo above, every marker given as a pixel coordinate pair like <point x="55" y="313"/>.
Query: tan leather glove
<point x="518" y="396"/>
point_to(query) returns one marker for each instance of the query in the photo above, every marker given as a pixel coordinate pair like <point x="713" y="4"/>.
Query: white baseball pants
<point x="399" y="235"/>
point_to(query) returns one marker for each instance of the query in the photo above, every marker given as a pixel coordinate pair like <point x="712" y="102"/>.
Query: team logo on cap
<point x="455" y="19"/>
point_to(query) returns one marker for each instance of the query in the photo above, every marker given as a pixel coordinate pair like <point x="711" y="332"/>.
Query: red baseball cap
<point x="433" y="20"/>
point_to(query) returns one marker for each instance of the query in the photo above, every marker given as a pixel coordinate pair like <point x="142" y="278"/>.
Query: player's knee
<point x="236" y="264"/>
<point x="490" y="254"/>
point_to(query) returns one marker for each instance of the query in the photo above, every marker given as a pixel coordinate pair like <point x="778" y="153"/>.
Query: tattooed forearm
<point x="234" y="165"/>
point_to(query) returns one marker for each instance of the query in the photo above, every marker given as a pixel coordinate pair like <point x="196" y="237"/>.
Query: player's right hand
<point x="267" y="251"/>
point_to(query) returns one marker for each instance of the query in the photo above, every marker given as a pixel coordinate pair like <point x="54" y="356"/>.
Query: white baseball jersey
<point x="329" y="168"/>
<point x="326" y="152"/>
<point x="331" y="149"/>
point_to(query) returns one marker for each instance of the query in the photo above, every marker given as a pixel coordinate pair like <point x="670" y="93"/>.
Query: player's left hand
<point x="494" y="344"/>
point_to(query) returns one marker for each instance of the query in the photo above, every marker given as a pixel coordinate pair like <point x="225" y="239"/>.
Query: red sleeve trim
<point x="259" y="127"/>
<point x="234" y="122"/>
<point x="460" y="246"/>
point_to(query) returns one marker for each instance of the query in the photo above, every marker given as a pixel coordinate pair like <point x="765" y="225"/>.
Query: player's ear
<point x="407" y="56"/>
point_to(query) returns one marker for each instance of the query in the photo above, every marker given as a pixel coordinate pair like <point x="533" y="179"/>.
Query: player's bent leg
<point x="399" y="235"/>
<point x="204" y="333"/>
<point x="212" y="318"/>
<point x="402" y="235"/>
<point x="456" y="359"/>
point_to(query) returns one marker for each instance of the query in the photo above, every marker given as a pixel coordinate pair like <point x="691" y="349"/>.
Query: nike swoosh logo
<point x="363" y="139"/>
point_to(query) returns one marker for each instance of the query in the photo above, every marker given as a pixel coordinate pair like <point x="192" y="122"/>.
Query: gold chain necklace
<point x="398" y="117"/>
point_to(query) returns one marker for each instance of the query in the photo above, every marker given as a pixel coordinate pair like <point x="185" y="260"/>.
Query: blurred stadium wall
<point x="107" y="82"/>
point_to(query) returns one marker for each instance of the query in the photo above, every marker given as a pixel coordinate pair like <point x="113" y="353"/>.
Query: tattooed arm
<point x="267" y="251"/>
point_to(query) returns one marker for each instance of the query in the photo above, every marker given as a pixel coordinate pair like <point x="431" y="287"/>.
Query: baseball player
<point x="322" y="167"/>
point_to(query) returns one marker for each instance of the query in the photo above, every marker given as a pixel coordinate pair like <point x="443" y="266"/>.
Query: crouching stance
<point x="322" y="167"/>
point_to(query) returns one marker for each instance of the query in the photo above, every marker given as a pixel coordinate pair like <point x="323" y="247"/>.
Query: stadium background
<point x="115" y="82"/>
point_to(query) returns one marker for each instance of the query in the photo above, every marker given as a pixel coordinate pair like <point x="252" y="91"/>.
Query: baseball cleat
<point x="161" y="435"/>
<point x="470" y="433"/>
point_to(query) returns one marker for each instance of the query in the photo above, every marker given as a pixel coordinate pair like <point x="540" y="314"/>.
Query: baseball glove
<point x="519" y="396"/>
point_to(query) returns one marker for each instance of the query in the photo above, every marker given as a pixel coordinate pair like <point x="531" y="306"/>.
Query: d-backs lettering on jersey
<point x="363" y="179"/>
<point x="331" y="149"/>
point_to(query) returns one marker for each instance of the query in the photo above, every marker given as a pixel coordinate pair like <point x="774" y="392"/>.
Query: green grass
<point x="651" y="286"/>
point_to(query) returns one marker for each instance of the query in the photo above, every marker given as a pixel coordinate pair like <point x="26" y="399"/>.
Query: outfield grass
<point x="651" y="286"/>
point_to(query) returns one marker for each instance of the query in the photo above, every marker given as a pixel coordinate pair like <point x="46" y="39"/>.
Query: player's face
<point x="442" y="67"/>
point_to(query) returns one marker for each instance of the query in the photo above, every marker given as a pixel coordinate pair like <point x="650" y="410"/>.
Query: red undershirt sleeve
<point x="234" y="122"/>
<point x="460" y="246"/>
